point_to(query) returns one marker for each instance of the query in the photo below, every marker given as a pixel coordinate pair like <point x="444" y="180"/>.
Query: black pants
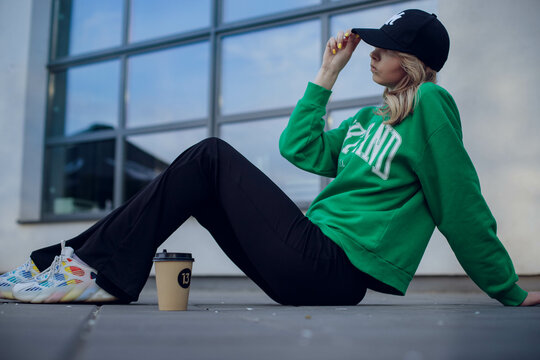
<point x="259" y="228"/>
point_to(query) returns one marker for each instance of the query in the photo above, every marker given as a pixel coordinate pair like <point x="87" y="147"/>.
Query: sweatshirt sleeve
<point x="304" y="142"/>
<point x="452" y="191"/>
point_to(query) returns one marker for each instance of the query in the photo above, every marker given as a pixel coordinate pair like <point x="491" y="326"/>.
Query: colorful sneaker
<point x="66" y="280"/>
<point x="23" y="273"/>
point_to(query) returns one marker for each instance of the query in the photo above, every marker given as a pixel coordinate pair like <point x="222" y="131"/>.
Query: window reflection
<point x="241" y="9"/>
<point x="148" y="155"/>
<point x="80" y="178"/>
<point x="85" y="99"/>
<point x="258" y="142"/>
<point x="88" y="25"/>
<point x="260" y="70"/>
<point x="258" y="77"/>
<point x="336" y="117"/>
<point x="168" y="86"/>
<point x="355" y="79"/>
<point x="150" y="19"/>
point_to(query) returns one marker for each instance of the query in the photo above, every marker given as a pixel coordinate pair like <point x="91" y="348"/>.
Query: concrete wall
<point x="491" y="73"/>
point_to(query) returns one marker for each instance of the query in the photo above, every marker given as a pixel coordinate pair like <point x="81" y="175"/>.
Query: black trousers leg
<point x="253" y="221"/>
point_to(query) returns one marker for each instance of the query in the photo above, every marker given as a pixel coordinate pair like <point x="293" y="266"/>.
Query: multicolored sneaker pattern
<point x="66" y="280"/>
<point x="23" y="273"/>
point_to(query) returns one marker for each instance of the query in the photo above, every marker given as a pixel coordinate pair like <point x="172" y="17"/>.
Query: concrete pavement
<point x="232" y="319"/>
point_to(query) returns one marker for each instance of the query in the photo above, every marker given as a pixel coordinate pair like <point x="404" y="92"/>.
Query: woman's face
<point x="386" y="67"/>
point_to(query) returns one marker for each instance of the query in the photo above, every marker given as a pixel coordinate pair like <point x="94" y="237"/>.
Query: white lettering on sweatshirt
<point x="374" y="146"/>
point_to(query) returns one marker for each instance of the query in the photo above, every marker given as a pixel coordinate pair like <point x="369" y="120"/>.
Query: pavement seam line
<point x="81" y="337"/>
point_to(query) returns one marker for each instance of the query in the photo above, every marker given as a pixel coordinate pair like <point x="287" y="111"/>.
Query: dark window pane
<point x="85" y="99"/>
<point x="79" y="178"/>
<point x="85" y="25"/>
<point x="257" y="77"/>
<point x="241" y="9"/>
<point x="150" y="19"/>
<point x="355" y="80"/>
<point x="148" y="155"/>
<point x="168" y="86"/>
<point x="258" y="141"/>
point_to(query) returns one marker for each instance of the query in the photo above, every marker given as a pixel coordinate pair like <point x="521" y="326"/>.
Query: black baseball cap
<point x="413" y="32"/>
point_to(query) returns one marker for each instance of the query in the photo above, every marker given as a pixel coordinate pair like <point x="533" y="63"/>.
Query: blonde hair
<point x="401" y="100"/>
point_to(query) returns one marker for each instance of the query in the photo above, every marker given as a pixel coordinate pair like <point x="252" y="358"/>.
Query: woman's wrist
<point x="326" y="78"/>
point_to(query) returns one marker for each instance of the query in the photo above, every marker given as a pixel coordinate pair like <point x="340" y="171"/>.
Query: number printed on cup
<point x="184" y="278"/>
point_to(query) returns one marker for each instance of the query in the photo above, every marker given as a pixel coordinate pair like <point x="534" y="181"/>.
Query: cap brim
<point x="377" y="38"/>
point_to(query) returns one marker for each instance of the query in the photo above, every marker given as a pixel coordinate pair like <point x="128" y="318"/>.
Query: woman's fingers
<point x="340" y="40"/>
<point x="339" y="50"/>
<point x="352" y="40"/>
<point x="343" y="40"/>
<point x="332" y="44"/>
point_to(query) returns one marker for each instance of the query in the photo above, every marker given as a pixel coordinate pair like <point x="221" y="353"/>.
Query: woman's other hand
<point x="532" y="299"/>
<point x="337" y="53"/>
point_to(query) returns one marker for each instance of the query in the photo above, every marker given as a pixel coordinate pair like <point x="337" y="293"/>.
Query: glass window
<point x="88" y="25"/>
<point x="258" y="141"/>
<point x="150" y="19"/>
<point x="79" y="178"/>
<point x="148" y="155"/>
<point x="241" y="9"/>
<point x="167" y="86"/>
<point x="256" y="77"/>
<point x="356" y="79"/>
<point x="336" y="117"/>
<point x="85" y="99"/>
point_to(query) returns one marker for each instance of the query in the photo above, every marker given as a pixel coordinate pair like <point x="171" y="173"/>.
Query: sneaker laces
<point x="55" y="266"/>
<point x="27" y="265"/>
<point x="24" y="267"/>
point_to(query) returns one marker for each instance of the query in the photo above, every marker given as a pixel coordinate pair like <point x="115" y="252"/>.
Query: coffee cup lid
<point x="167" y="256"/>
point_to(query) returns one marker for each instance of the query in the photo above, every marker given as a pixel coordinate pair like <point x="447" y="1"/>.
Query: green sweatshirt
<point x="393" y="185"/>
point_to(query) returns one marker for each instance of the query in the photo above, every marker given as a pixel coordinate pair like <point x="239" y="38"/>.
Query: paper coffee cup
<point x="173" y="278"/>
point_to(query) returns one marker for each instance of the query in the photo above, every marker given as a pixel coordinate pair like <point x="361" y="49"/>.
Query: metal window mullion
<point x="172" y="126"/>
<point x="51" y="87"/>
<point x="81" y="216"/>
<point x="325" y="35"/>
<point x="119" y="145"/>
<point x="54" y="30"/>
<point x="129" y="49"/>
<point x="81" y="138"/>
<point x="256" y="115"/>
<point x="111" y="134"/>
<point x="118" y="186"/>
<point x="120" y="148"/>
<point x="215" y="70"/>
<point x="214" y="86"/>
<point x="126" y="22"/>
<point x="355" y="102"/>
<point x="50" y="94"/>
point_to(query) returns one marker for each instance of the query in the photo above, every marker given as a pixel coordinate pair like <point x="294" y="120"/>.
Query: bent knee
<point x="214" y="143"/>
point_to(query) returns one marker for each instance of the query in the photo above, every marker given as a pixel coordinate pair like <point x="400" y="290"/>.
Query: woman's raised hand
<point x="339" y="49"/>
<point x="337" y="53"/>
